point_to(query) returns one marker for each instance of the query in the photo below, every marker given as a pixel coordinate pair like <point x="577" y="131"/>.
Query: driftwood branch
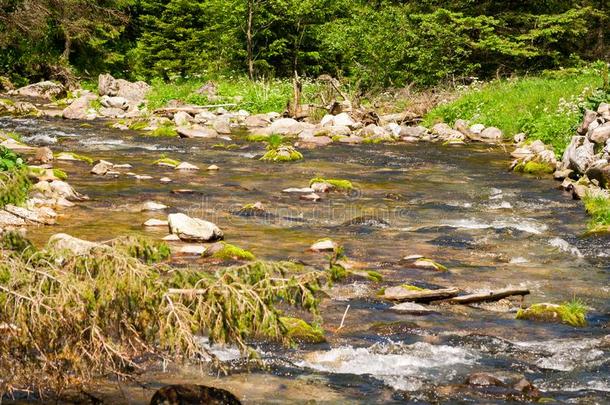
<point x="489" y="296"/>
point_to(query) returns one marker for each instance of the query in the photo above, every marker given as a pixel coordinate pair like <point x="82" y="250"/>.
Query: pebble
<point x="165" y="180"/>
<point x="152" y="206"/>
<point x="155" y="222"/>
<point x="186" y="166"/>
<point x="213" y="167"/>
<point x="310" y="197"/>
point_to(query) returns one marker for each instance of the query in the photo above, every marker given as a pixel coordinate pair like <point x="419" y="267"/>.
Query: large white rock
<point x="193" y="229"/>
<point x="47" y="89"/>
<point x="62" y="241"/>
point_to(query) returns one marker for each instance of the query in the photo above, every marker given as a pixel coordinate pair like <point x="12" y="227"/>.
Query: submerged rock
<point x="411" y="308"/>
<point x="369" y="221"/>
<point x="301" y="331"/>
<point x="193" y="395"/>
<point x="193" y="229"/>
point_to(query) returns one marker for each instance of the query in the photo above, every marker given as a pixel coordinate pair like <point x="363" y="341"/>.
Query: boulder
<point x="601" y="134"/>
<point x="182" y="119"/>
<point x="44" y="154"/>
<point x="193" y="229"/>
<point x="338" y="131"/>
<point x="588" y="118"/>
<point x="133" y="92"/>
<point x="375" y="131"/>
<point x="47" y="89"/>
<point x="323" y="245"/>
<point x="342" y="119"/>
<point x="600" y="171"/>
<point x="476" y="129"/>
<point x="79" y="247"/>
<point x="197" y="131"/>
<point x="101" y="168"/>
<point x="411" y="308"/>
<point x="80" y="109"/>
<point x="604" y="110"/>
<point x="414" y="132"/>
<point x="257" y="121"/>
<point x="583" y="156"/>
<point x="492" y="134"/>
<point x="445" y="132"/>
<point x="9" y="220"/>
<point x="112" y="113"/>
<point x="61" y="189"/>
<point x="114" y="102"/>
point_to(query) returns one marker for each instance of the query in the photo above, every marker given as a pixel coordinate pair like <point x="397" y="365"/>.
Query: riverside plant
<point x="66" y="319"/>
<point x="278" y="152"/>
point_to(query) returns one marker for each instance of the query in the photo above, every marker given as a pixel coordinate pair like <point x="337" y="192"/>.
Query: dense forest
<point x="372" y="43"/>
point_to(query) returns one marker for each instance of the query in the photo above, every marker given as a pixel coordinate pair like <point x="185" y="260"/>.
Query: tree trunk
<point x="249" y="39"/>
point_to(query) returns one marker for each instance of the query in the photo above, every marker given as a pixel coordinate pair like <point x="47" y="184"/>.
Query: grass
<point x="232" y="252"/>
<point x="339" y="184"/>
<point x="260" y="96"/>
<point x="67" y="321"/>
<point x="165" y="130"/>
<point x="14" y="186"/>
<point x="598" y="207"/>
<point x="572" y="313"/>
<point x="547" y="107"/>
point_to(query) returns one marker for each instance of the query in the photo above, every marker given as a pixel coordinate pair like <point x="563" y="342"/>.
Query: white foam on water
<point x="520" y="224"/>
<point x="566" y="354"/>
<point x="564" y="246"/>
<point x="222" y="352"/>
<point x="44" y="139"/>
<point x="401" y="366"/>
<point x="504" y="205"/>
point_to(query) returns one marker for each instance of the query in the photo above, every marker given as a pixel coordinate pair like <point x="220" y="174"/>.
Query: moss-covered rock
<point x="164" y="161"/>
<point x="338" y="184"/>
<point x="533" y="167"/>
<point x="74" y="156"/>
<point x="301" y="331"/>
<point x="165" y="131"/>
<point x="60" y="174"/>
<point x="227" y="251"/>
<point x="572" y="313"/>
<point x="430" y="264"/>
<point x="257" y="138"/>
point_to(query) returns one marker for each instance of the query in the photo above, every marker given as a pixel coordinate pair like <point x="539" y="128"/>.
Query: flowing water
<point x="457" y="205"/>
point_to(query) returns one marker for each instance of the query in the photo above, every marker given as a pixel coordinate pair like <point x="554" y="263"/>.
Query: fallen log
<point x="400" y="293"/>
<point x="488" y="296"/>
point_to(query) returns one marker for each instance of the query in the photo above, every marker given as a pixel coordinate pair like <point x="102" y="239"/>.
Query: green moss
<point x="85" y="125"/>
<point x="371" y="140"/>
<point x="572" y="313"/>
<point x="225" y="146"/>
<point x="138" y="125"/>
<point x="14" y="135"/>
<point x="301" y="331"/>
<point x="412" y="287"/>
<point x="166" y="161"/>
<point x="532" y="167"/>
<point x="257" y="138"/>
<point x="431" y="263"/>
<point x="339" y="184"/>
<point x="282" y="154"/>
<point x="232" y="252"/>
<point x="374" y="276"/>
<point x="165" y="131"/>
<point x="6" y="101"/>
<point x="60" y="174"/>
<point x="96" y="104"/>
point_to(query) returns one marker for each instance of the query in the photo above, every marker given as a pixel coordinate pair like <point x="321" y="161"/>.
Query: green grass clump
<point x="259" y="96"/>
<point x="339" y="184"/>
<point x="301" y="331"/>
<point x="232" y="252"/>
<point x="374" y="276"/>
<point x="165" y="130"/>
<point x="145" y="250"/>
<point x="282" y="154"/>
<point x="532" y="167"/>
<point x="230" y="146"/>
<point x="598" y="207"/>
<point x="548" y="107"/>
<point x="96" y="104"/>
<point x="572" y="313"/>
<point x="167" y="161"/>
<point x="138" y="125"/>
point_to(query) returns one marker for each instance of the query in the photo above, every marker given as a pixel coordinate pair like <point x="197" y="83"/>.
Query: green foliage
<point x="14" y="186"/>
<point x="9" y="160"/>
<point x="138" y="125"/>
<point x="547" y="107"/>
<point x="598" y="207"/>
<point x="339" y="184"/>
<point x="148" y="252"/>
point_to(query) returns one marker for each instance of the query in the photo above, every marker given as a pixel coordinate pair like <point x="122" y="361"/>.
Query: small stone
<point x="186" y="166"/>
<point x="213" y="167"/>
<point x="102" y="168"/>
<point x="310" y="197"/>
<point x="195" y="250"/>
<point x="412" y="257"/>
<point x="156" y="222"/>
<point x="411" y="308"/>
<point x="142" y="177"/>
<point x="193" y="229"/>
<point x="305" y="190"/>
<point x="152" y="206"/>
<point x="44" y="154"/>
<point x="122" y="166"/>
<point x="165" y="180"/>
<point x="477" y="129"/>
<point x="483" y="380"/>
<point x="322" y="187"/>
<point x="171" y="238"/>
<point x="323" y="245"/>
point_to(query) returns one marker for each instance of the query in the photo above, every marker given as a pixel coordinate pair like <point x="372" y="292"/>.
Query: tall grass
<point x="598" y="206"/>
<point x="259" y="96"/>
<point x="547" y="107"/>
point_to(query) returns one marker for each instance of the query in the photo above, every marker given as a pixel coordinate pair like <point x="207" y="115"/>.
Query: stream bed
<point x="458" y="205"/>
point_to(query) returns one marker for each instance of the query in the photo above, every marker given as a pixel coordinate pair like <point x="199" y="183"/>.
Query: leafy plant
<point x="9" y="160"/>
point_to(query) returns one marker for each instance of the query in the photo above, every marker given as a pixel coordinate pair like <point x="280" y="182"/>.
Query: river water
<point x="457" y="205"/>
